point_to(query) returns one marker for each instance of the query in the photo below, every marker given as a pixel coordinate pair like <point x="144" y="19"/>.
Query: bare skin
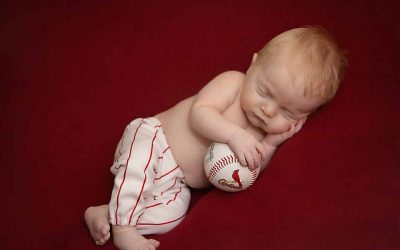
<point x="124" y="237"/>
<point x="97" y="221"/>
<point x="127" y="238"/>
<point x="233" y="108"/>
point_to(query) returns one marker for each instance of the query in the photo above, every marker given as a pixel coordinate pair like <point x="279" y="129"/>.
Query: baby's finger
<point x="257" y="159"/>
<point x="242" y="160"/>
<point x="154" y="243"/>
<point x="291" y="130"/>
<point x="298" y="127"/>
<point x="261" y="150"/>
<point x="250" y="160"/>
<point x="292" y="127"/>
<point x="300" y="124"/>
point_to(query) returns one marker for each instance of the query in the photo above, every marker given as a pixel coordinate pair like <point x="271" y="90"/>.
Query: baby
<point x="158" y="158"/>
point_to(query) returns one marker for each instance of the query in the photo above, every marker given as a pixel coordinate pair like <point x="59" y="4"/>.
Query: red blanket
<point x="74" y="73"/>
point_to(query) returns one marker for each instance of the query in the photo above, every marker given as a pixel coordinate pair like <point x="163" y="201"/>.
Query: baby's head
<point x="294" y="74"/>
<point x="312" y="57"/>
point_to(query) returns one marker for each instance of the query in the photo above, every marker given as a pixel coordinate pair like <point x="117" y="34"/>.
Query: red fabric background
<point x="74" y="73"/>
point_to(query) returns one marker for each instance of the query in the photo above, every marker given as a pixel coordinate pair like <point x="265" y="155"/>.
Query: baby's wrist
<point x="232" y="135"/>
<point x="270" y="145"/>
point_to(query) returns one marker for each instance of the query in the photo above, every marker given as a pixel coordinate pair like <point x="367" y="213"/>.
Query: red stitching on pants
<point x="123" y="180"/>
<point x="153" y="205"/>
<point x="145" y="177"/>
<point x="156" y="179"/>
<point x="180" y="189"/>
<point x="163" y="223"/>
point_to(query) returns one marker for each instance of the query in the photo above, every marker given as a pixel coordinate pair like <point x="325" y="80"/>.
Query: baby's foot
<point x="97" y="221"/>
<point x="127" y="238"/>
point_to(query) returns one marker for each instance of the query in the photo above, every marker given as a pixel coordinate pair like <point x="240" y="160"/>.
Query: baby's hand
<point x="277" y="139"/>
<point x="247" y="148"/>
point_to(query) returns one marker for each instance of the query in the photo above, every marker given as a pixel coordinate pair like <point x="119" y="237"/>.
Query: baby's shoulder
<point x="225" y="87"/>
<point x="232" y="76"/>
<point x="228" y="80"/>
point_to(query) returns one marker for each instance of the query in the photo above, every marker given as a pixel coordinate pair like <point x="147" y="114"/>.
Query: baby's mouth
<point x="260" y="119"/>
<point x="257" y="120"/>
<point x="262" y="123"/>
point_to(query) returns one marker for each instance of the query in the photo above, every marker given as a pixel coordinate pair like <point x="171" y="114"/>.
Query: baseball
<point x="224" y="171"/>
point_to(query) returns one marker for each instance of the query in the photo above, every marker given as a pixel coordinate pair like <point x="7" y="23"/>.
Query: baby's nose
<point x="269" y="110"/>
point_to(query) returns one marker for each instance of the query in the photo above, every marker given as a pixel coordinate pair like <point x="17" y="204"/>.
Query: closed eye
<point x="262" y="92"/>
<point x="287" y="114"/>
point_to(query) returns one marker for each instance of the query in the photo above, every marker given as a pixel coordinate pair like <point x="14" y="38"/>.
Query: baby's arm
<point x="206" y="112"/>
<point x="206" y="118"/>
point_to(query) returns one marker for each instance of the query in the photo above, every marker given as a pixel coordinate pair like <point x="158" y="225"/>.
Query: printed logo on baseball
<point x="224" y="171"/>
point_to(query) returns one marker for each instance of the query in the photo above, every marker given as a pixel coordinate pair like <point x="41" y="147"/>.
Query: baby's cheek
<point x="280" y="126"/>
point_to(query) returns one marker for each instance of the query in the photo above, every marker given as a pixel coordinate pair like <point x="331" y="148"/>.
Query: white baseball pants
<point x="148" y="192"/>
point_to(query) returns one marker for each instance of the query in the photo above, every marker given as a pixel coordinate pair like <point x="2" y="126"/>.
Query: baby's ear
<point x="253" y="60"/>
<point x="255" y="55"/>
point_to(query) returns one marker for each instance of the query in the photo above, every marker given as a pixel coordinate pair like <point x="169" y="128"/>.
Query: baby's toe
<point x="104" y="239"/>
<point x="105" y="230"/>
<point x="107" y="237"/>
<point x="154" y="243"/>
<point x="145" y="247"/>
<point x="151" y="247"/>
<point x="101" y="241"/>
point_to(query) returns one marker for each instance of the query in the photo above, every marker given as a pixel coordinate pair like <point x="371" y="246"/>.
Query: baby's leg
<point x="127" y="238"/>
<point x="164" y="213"/>
<point x="97" y="221"/>
<point x="134" y="169"/>
<point x="160" y="216"/>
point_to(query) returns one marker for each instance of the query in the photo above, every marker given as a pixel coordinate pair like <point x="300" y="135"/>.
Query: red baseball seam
<point x="220" y="164"/>
<point x="226" y="160"/>
<point x="254" y="175"/>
